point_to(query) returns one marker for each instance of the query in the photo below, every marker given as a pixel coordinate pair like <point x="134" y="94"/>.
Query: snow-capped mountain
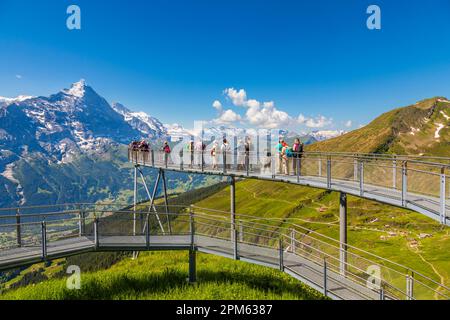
<point x="71" y="121"/>
<point x="54" y="148"/>
<point x="326" y="134"/>
<point x="141" y="121"/>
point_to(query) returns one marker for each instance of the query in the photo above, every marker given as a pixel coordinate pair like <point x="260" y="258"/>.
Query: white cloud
<point x="217" y="105"/>
<point x="18" y="76"/>
<point x="317" y="122"/>
<point x="348" y="124"/>
<point x="265" y="114"/>
<point x="238" y="98"/>
<point x="228" y="116"/>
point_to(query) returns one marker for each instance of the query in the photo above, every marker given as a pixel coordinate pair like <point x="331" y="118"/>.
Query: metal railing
<point x="419" y="184"/>
<point x="282" y="244"/>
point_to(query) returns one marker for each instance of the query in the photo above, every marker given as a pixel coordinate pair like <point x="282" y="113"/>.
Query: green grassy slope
<point x="397" y="234"/>
<point x="162" y="275"/>
<point x="407" y="130"/>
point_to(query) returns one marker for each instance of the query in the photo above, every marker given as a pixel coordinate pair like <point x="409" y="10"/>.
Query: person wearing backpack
<point x="297" y="149"/>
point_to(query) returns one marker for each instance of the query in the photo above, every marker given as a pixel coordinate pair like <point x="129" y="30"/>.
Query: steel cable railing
<point x="318" y="251"/>
<point x="411" y="182"/>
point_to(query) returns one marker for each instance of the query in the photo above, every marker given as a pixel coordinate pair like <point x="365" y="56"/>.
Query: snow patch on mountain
<point x="440" y="126"/>
<point x="322" y="135"/>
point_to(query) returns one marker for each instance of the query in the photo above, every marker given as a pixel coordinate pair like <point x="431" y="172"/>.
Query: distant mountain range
<point x="70" y="146"/>
<point x="418" y="129"/>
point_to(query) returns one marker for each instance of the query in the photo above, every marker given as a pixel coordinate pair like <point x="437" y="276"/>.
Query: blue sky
<point x="173" y="59"/>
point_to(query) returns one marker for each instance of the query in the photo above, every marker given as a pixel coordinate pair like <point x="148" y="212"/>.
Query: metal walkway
<point x="37" y="234"/>
<point x="418" y="184"/>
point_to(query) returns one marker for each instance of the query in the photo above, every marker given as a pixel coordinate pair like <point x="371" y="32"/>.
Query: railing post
<point x="361" y="177"/>
<point x="241" y="232"/>
<point x="247" y="164"/>
<point x="18" y="228"/>
<point x="135" y="199"/>
<point x="394" y="172"/>
<point x="44" y="239"/>
<point x="153" y="157"/>
<point x="81" y="223"/>
<point x="404" y="183"/>
<point x="343" y="233"/>
<point x="280" y="248"/>
<point x="181" y="159"/>
<point x="320" y="166"/>
<point x="409" y="287"/>
<point x="329" y="172"/>
<point x="355" y="168"/>
<point x="325" y="276"/>
<point x="224" y="156"/>
<point x="96" y="240"/>
<point x="272" y="166"/>
<point x="192" y="226"/>
<point x="235" y="245"/>
<point x="381" y="293"/>
<point x="442" y="196"/>
<point x="166" y="159"/>
<point x="293" y="248"/>
<point x="147" y="233"/>
<point x="298" y="167"/>
<point x="203" y="158"/>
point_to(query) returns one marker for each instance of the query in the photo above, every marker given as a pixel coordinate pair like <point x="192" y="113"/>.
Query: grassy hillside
<point x="397" y="234"/>
<point x="407" y="130"/>
<point x="162" y="275"/>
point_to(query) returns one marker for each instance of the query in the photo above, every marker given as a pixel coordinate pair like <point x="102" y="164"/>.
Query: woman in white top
<point x="214" y="155"/>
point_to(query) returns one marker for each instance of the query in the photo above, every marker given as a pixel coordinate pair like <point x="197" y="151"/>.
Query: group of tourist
<point x="289" y="156"/>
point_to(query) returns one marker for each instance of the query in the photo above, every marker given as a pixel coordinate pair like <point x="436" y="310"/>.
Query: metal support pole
<point x="442" y="196"/>
<point x="329" y="172"/>
<point x="247" y="164"/>
<point x="233" y="207"/>
<point x="257" y="149"/>
<point x="18" y="227"/>
<point x="96" y="240"/>
<point x="409" y="287"/>
<point x="153" y="157"/>
<point x="404" y="183"/>
<point x="166" y="200"/>
<point x="280" y="249"/>
<point x="355" y="169"/>
<point x="81" y="223"/>
<point x="361" y="178"/>
<point x="325" y="276"/>
<point x="241" y="232"/>
<point x="147" y="233"/>
<point x="134" y="200"/>
<point x="152" y="198"/>
<point x="181" y="159"/>
<point x="235" y="141"/>
<point x="224" y="156"/>
<point x="272" y="166"/>
<point x="394" y="172"/>
<point x="192" y="226"/>
<point x="293" y="248"/>
<point x="235" y="245"/>
<point x="343" y="232"/>
<point x="44" y="239"/>
<point x="298" y="167"/>
<point x="381" y="293"/>
<point x="192" y="266"/>
<point x="320" y="167"/>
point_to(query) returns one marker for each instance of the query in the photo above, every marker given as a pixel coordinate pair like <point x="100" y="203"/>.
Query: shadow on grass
<point x="125" y="286"/>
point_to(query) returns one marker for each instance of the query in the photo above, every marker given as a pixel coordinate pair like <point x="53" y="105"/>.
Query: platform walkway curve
<point x="421" y="184"/>
<point x="36" y="234"/>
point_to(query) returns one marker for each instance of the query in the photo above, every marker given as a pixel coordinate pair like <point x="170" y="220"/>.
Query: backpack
<point x="288" y="152"/>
